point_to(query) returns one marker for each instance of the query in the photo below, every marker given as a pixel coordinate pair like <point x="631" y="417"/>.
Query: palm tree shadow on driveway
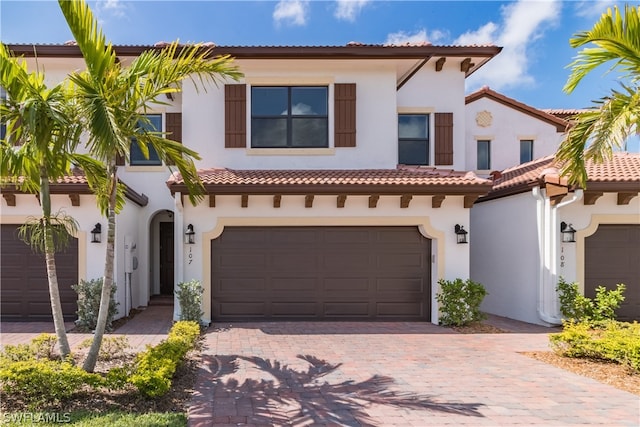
<point x="290" y="396"/>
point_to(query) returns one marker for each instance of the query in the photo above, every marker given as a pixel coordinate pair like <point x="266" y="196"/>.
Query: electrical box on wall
<point x="130" y="261"/>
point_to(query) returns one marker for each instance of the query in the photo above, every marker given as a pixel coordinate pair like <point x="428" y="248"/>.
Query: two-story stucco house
<point x="336" y="177"/>
<point x="519" y="250"/>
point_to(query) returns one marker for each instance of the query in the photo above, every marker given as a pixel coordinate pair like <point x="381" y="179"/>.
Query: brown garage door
<point x="612" y="255"/>
<point x="24" y="288"/>
<point x="320" y="273"/>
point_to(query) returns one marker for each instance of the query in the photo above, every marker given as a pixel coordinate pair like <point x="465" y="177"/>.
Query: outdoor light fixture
<point x="568" y="233"/>
<point x="189" y="235"/>
<point x="96" y="234"/>
<point x="461" y="233"/>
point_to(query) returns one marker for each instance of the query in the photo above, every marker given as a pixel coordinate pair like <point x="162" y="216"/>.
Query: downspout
<point x="178" y="252"/>
<point x="546" y="216"/>
<point x="555" y="239"/>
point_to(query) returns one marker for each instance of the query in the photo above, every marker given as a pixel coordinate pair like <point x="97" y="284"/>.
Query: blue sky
<point x="534" y="33"/>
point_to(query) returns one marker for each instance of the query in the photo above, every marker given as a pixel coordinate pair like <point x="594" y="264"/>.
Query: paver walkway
<point x="393" y="374"/>
<point x="375" y="374"/>
<point x="148" y="327"/>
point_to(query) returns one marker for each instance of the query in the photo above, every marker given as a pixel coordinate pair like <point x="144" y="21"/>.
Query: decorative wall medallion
<point x="484" y="118"/>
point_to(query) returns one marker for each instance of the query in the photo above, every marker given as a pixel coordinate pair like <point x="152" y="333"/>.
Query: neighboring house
<point x="502" y="132"/>
<point x="335" y="179"/>
<point x="519" y="251"/>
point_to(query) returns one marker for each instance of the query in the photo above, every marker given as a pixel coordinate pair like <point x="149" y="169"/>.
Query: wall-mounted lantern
<point x="568" y="233"/>
<point x="461" y="234"/>
<point x="96" y="234"/>
<point x="190" y="235"/>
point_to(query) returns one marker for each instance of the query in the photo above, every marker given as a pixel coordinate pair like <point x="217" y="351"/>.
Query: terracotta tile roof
<point x="404" y="179"/>
<point x="76" y="183"/>
<point x="563" y="113"/>
<point x="485" y="92"/>
<point x="620" y="173"/>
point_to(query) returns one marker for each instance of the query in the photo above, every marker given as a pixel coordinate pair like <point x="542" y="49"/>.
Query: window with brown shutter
<point x="235" y="116"/>
<point x="173" y="127"/>
<point x="443" y="138"/>
<point x="345" y="114"/>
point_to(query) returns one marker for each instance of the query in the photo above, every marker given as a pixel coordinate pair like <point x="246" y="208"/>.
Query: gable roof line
<point x="486" y="92"/>
<point x="351" y="51"/>
<point x="621" y="173"/>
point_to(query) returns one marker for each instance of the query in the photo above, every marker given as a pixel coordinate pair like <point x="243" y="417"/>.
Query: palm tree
<point x="41" y="136"/>
<point x="114" y="98"/>
<point x="608" y="124"/>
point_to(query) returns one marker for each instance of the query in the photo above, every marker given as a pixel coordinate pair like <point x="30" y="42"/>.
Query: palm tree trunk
<point x="52" y="275"/>
<point x="105" y="297"/>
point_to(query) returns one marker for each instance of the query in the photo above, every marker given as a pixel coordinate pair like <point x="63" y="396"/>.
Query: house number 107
<point x="190" y="256"/>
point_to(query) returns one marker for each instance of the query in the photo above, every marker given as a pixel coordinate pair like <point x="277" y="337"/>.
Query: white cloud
<point x="523" y="22"/>
<point x="112" y="7"/>
<point x="293" y="12"/>
<point x="348" y="9"/>
<point x="420" y="36"/>
<point x="593" y="8"/>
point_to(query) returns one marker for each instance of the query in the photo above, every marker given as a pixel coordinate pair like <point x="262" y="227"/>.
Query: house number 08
<point x="190" y="255"/>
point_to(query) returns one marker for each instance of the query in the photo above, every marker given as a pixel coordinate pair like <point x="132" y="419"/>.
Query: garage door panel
<point x="240" y="284"/>
<point x="323" y="273"/>
<point x="294" y="284"/>
<point x="294" y="309"/>
<point x="612" y="257"/>
<point x="355" y="261"/>
<point x="395" y="260"/>
<point x="241" y="261"/>
<point x="347" y="236"/>
<point x="244" y="309"/>
<point x="401" y="285"/>
<point x="395" y="309"/>
<point x="339" y="286"/>
<point x="346" y="309"/>
<point x="23" y="277"/>
<point x="283" y="261"/>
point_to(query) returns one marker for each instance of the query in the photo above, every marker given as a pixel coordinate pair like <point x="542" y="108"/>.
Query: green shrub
<point x="190" y="299"/>
<point x="575" y="306"/>
<point x="44" y="346"/>
<point x="45" y="381"/>
<point x="460" y="302"/>
<point x="89" y="294"/>
<point x="112" y="347"/>
<point x="155" y="367"/>
<point x="41" y="347"/>
<point x="608" y="340"/>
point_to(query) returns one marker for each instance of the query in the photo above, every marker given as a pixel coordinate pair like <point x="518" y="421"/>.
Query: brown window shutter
<point x="444" y="138"/>
<point x="173" y="128"/>
<point x="345" y="114"/>
<point x="235" y="116"/>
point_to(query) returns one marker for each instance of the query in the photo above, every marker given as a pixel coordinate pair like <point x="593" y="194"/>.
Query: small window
<point x="136" y="156"/>
<point x="484" y="154"/>
<point x="289" y="117"/>
<point x="413" y="139"/>
<point x="526" y="150"/>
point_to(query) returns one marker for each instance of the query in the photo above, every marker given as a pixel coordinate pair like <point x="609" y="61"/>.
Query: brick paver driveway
<point x="392" y="374"/>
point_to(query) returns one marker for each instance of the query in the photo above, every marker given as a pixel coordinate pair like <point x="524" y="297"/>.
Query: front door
<point x="166" y="258"/>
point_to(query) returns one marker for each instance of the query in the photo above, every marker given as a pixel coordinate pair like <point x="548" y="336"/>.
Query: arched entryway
<point x="162" y="257"/>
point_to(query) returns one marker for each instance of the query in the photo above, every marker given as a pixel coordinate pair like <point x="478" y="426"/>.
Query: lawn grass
<point x="91" y="419"/>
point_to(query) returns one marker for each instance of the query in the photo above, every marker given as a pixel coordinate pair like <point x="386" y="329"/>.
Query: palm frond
<point x="616" y="37"/>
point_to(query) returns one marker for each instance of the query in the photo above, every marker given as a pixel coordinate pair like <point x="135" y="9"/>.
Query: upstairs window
<point x="413" y="139"/>
<point x="526" y="150"/>
<point x="484" y="154"/>
<point x="289" y="117"/>
<point x="135" y="154"/>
